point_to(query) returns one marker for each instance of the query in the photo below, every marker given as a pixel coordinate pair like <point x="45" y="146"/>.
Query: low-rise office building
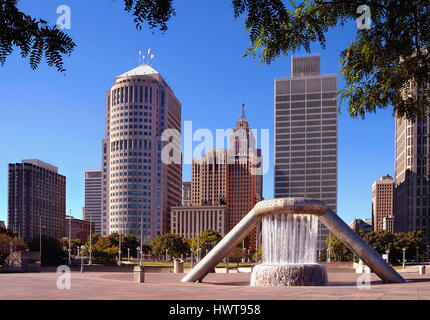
<point x="188" y="222"/>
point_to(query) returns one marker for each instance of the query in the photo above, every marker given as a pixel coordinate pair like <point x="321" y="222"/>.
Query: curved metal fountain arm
<point x="357" y="245"/>
<point x="293" y="206"/>
<point x="223" y="248"/>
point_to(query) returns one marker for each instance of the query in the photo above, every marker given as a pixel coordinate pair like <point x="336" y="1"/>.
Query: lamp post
<point x="404" y="251"/>
<point x="388" y="255"/>
<point x="90" y="262"/>
<point x="227" y="269"/>
<point x="166" y="254"/>
<point x="198" y="247"/>
<point x="128" y="254"/>
<point x="70" y="236"/>
<point x="137" y="255"/>
<point x="119" y="251"/>
<point x="40" y="239"/>
<point x="329" y="247"/>
<point x="82" y="258"/>
<point x="418" y="255"/>
<point x="141" y="238"/>
<point x="192" y="258"/>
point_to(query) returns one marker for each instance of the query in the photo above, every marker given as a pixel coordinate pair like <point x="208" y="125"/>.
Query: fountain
<point x="289" y="252"/>
<point x="289" y="244"/>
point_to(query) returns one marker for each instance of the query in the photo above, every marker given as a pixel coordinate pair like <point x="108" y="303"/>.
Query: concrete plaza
<point x="232" y="286"/>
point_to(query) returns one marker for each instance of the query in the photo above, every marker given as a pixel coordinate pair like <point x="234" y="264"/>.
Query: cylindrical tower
<point x="138" y="188"/>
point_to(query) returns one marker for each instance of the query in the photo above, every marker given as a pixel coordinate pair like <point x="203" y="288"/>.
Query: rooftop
<point x="142" y="70"/>
<point x="41" y="164"/>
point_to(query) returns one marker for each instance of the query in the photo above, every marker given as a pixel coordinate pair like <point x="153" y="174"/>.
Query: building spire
<point x="242" y="114"/>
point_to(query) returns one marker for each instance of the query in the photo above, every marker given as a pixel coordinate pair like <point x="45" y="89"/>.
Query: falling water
<point x="289" y="239"/>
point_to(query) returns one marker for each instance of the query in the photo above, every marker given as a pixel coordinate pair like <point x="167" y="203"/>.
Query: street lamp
<point x="388" y="257"/>
<point x="82" y="258"/>
<point x="192" y="258"/>
<point x="128" y="254"/>
<point x="70" y="236"/>
<point x="90" y="262"/>
<point x="404" y="251"/>
<point x="417" y="254"/>
<point x="137" y="255"/>
<point x="166" y="254"/>
<point x="40" y="239"/>
<point x="141" y="238"/>
<point x="119" y="251"/>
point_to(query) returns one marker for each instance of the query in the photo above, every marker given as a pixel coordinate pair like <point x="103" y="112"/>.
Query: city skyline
<point x="61" y="111"/>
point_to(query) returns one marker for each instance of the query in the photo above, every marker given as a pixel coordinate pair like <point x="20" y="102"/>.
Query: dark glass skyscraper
<point x="37" y="200"/>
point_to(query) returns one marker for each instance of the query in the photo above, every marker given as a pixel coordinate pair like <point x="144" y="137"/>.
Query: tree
<point x="36" y="39"/>
<point x="174" y="244"/>
<point x="378" y="64"/>
<point x="33" y="36"/>
<point x="338" y="250"/>
<point x="237" y="254"/>
<point x="258" y="256"/>
<point x="129" y="241"/>
<point x="208" y="239"/>
<point x="105" y="249"/>
<point x="52" y="250"/>
<point x="6" y="238"/>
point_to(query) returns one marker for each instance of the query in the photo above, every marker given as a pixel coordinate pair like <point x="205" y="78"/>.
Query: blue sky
<point x="60" y="119"/>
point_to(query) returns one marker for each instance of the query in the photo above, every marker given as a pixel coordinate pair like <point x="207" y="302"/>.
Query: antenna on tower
<point x="242" y="114"/>
<point x="152" y="57"/>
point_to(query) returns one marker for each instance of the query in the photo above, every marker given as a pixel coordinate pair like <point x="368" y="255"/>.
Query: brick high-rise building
<point x="36" y="200"/>
<point x="230" y="177"/>
<point x="209" y="178"/>
<point x="186" y="194"/>
<point x="306" y="135"/>
<point x="382" y="201"/>
<point x="244" y="182"/>
<point x="137" y="184"/>
<point x="93" y="193"/>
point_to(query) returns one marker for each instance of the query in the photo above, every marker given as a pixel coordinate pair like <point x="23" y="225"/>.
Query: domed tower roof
<point x="142" y="70"/>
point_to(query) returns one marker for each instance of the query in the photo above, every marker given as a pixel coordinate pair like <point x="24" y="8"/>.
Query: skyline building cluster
<point x="226" y="181"/>
<point x="136" y="192"/>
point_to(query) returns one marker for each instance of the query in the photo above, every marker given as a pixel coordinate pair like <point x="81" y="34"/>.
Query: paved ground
<point x="117" y="286"/>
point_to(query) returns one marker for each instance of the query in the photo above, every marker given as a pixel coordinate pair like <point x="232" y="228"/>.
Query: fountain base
<point x="281" y="275"/>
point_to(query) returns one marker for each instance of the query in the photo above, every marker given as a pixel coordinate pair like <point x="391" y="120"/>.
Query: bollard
<point x="178" y="266"/>
<point x="139" y="274"/>
<point x="422" y="269"/>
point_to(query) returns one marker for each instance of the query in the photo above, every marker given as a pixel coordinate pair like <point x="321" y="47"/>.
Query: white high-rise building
<point x="138" y="189"/>
<point x="306" y="135"/>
